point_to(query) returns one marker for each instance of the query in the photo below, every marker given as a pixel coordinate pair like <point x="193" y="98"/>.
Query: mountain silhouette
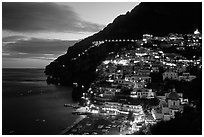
<point x="156" y="18"/>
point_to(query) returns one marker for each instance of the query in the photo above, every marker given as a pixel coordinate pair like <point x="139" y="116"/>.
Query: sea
<point x="32" y="107"/>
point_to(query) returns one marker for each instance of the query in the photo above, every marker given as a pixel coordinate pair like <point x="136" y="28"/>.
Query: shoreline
<point x="75" y="123"/>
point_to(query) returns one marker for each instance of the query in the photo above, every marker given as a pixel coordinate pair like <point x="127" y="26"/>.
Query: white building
<point x="132" y="108"/>
<point x="154" y="69"/>
<point x="170" y="75"/>
<point x="144" y="93"/>
<point x="110" y="91"/>
<point x="168" y="106"/>
<point x="144" y="72"/>
<point x="116" y="108"/>
<point x="186" y="77"/>
<point x="136" y="78"/>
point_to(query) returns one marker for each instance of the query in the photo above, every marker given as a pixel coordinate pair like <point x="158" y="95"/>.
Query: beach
<point x="65" y="131"/>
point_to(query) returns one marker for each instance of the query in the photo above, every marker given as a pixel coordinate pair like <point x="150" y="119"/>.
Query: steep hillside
<point x="154" y="18"/>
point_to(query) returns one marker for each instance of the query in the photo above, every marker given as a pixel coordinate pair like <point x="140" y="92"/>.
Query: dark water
<point x="30" y="106"/>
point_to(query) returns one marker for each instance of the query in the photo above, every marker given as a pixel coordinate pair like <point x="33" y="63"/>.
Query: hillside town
<point x="130" y="94"/>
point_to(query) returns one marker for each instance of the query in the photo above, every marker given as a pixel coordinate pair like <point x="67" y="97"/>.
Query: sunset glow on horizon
<point x="26" y="24"/>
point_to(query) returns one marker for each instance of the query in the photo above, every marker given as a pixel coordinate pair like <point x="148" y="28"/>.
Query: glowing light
<point x="88" y="102"/>
<point x="95" y="111"/>
<point x="106" y="62"/>
<point x="101" y="95"/>
<point x="123" y="62"/>
<point x="196" y="31"/>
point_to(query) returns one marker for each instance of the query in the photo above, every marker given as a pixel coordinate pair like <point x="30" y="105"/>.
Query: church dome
<point x="173" y="96"/>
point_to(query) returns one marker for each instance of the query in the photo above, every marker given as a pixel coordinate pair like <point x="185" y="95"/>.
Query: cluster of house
<point x="115" y="108"/>
<point x="131" y="72"/>
<point x="181" y="41"/>
<point x="127" y="75"/>
<point x="173" y="74"/>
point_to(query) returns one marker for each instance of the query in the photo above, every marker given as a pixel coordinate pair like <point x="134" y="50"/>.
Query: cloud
<point x="11" y="39"/>
<point x="46" y="49"/>
<point x="43" y="17"/>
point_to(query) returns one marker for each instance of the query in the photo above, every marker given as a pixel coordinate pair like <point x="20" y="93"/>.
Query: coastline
<point x="75" y="123"/>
